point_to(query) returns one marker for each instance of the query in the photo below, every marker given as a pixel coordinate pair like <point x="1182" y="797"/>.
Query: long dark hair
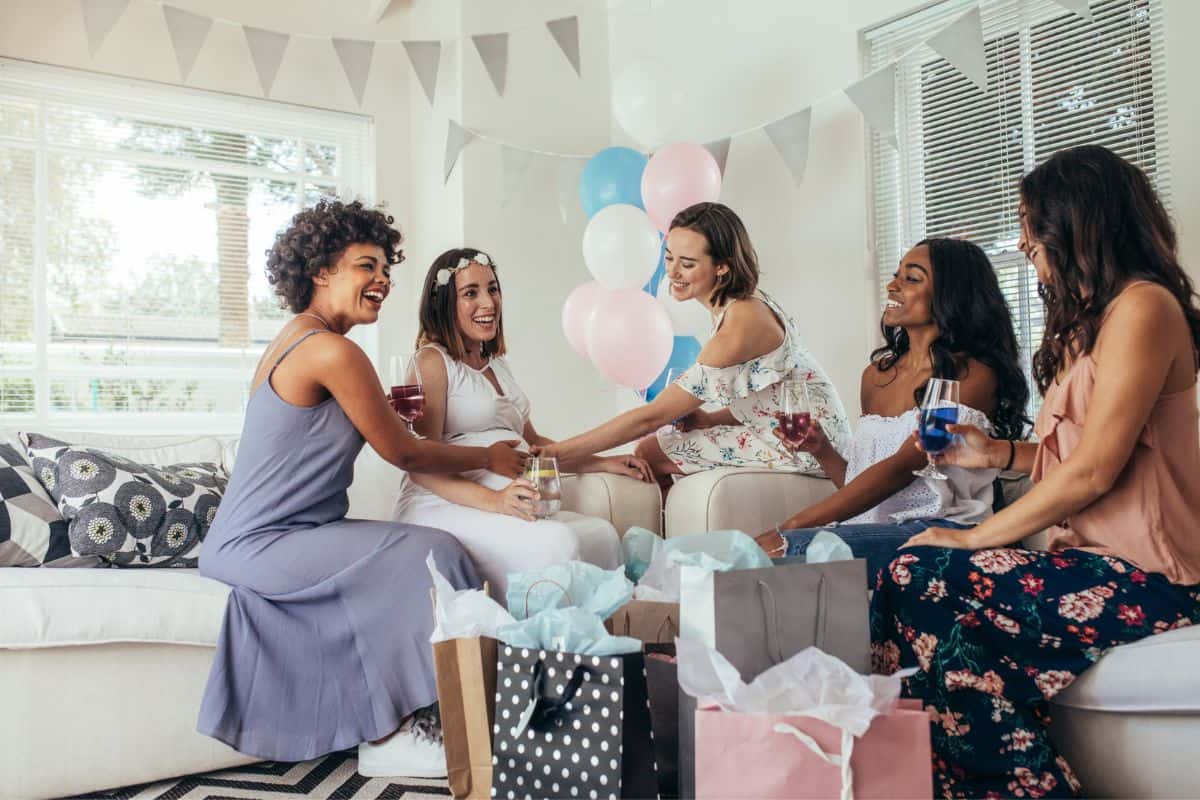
<point x="438" y="314"/>
<point x="973" y="321"/>
<point x="1101" y="225"/>
<point x="728" y="244"/>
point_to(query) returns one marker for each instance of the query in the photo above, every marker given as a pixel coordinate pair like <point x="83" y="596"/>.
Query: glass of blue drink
<point x="938" y="410"/>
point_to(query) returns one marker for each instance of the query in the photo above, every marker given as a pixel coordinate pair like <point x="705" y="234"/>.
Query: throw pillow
<point x="126" y="513"/>
<point x="32" y="532"/>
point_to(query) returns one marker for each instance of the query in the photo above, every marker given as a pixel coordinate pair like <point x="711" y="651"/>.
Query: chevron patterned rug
<point x="333" y="777"/>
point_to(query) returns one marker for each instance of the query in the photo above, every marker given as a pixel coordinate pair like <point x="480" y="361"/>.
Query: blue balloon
<point x="684" y="353"/>
<point x="659" y="273"/>
<point x="614" y="175"/>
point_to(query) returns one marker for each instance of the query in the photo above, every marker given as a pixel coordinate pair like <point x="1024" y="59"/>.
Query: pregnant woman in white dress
<point x="471" y="397"/>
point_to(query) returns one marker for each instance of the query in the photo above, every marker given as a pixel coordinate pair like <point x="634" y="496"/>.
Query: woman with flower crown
<point x="472" y="397"/>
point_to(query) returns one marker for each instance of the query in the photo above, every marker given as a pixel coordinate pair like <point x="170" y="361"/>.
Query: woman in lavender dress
<point x="325" y="642"/>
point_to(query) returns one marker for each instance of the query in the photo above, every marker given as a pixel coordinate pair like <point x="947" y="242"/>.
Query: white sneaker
<point x="405" y="755"/>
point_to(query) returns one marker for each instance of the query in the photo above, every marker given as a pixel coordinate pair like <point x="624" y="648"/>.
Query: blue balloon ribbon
<point x="614" y="175"/>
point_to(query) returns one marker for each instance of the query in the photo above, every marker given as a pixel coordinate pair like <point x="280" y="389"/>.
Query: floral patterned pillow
<point x="125" y="513"/>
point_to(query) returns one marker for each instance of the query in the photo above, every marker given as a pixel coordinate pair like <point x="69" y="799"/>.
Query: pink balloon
<point x="629" y="337"/>
<point x="678" y="176"/>
<point x="583" y="300"/>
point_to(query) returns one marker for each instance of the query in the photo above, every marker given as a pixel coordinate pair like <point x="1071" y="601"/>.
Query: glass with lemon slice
<point x="542" y="472"/>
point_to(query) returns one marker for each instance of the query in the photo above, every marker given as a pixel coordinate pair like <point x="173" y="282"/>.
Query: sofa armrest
<point x="748" y="500"/>
<point x="622" y="500"/>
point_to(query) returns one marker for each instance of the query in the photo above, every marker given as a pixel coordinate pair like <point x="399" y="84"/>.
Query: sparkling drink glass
<point x="542" y="472"/>
<point x="939" y="409"/>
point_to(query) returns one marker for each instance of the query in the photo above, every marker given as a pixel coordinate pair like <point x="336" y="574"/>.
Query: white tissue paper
<point x="715" y="551"/>
<point x="827" y="546"/>
<point x="463" y="613"/>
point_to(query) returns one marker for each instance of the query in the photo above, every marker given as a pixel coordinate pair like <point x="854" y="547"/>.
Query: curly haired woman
<point x="325" y="642"/>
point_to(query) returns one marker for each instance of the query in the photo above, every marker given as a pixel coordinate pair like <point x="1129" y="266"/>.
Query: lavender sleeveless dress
<point x="325" y="642"/>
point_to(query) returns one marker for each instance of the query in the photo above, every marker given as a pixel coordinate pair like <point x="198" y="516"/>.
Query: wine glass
<point x="407" y="394"/>
<point x="542" y="472"/>
<point x="795" y="411"/>
<point x="938" y="409"/>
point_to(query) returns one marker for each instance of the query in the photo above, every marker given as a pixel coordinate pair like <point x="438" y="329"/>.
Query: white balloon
<point x="648" y="101"/>
<point x="689" y="318"/>
<point x="621" y="247"/>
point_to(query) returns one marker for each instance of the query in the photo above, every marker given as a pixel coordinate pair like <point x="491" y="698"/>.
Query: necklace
<point x="315" y="316"/>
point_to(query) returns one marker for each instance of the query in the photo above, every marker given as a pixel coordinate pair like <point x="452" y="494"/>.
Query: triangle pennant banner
<point x="99" y="17"/>
<point x="961" y="43"/>
<point x="457" y="137"/>
<point x="1081" y="8"/>
<point x="875" y="96"/>
<point x="493" y="51"/>
<point x="514" y="163"/>
<point x="720" y="151"/>
<point x="425" y="57"/>
<point x="355" y="55"/>
<point x="566" y="32"/>
<point x="570" y="171"/>
<point x="790" y="137"/>
<point x="266" y="51"/>
<point x="188" y="32"/>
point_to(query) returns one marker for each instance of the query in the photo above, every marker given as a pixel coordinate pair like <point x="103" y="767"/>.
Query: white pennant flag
<point x="570" y="171"/>
<point x="514" y="163"/>
<point x="961" y="43"/>
<point x="457" y="137"/>
<point x="720" y="151"/>
<point x="566" y="32"/>
<point x="188" y="32"/>
<point x="99" y="17"/>
<point x="493" y="51"/>
<point x="875" y="96"/>
<point x="1081" y="8"/>
<point x="266" y="51"/>
<point x="425" y="57"/>
<point x="355" y="55"/>
<point x="790" y="137"/>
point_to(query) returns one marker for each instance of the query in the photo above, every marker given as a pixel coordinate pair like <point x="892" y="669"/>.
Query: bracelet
<point x="1012" y="454"/>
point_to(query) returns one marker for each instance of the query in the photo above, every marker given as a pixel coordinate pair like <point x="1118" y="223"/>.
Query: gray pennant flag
<point x="720" y="151"/>
<point x="790" y="137"/>
<point x="875" y="96"/>
<point x="961" y="43"/>
<point x="425" y="57"/>
<point x="188" y="32"/>
<point x="99" y="17"/>
<point x="566" y="32"/>
<point x="457" y="137"/>
<point x="355" y="55"/>
<point x="514" y="163"/>
<point x="1081" y="8"/>
<point x="266" y="51"/>
<point x="493" y="51"/>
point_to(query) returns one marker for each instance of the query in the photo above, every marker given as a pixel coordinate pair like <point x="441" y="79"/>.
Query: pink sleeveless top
<point x="1151" y="516"/>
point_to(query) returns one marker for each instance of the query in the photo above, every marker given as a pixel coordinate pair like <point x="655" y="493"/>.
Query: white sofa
<point x="1130" y="725"/>
<point x="102" y="670"/>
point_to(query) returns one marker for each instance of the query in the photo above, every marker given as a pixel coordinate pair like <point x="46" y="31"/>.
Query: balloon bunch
<point x="625" y="320"/>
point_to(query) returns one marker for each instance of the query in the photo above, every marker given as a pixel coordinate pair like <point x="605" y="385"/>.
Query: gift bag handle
<point x="841" y="761"/>
<point x="771" y="617"/>
<point x="545" y="580"/>
<point x="661" y="626"/>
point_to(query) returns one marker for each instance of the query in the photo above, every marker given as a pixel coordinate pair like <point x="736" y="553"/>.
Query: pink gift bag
<point x="779" y="756"/>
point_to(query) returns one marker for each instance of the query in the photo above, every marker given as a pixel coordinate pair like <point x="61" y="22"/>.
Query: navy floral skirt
<point x="996" y="634"/>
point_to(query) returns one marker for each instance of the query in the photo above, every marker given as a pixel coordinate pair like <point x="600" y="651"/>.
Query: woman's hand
<point x="971" y="449"/>
<point x="505" y="459"/>
<point x="516" y="500"/>
<point x="632" y="466"/>
<point x="941" y="537"/>
<point x="773" y="543"/>
<point x="697" y="420"/>
<point x="814" y="442"/>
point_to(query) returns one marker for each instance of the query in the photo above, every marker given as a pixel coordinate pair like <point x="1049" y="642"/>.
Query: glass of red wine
<point x="407" y="395"/>
<point x="938" y="410"/>
<point x="795" y="411"/>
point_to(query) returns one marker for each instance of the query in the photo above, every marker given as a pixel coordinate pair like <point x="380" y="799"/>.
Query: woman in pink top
<point x="996" y="631"/>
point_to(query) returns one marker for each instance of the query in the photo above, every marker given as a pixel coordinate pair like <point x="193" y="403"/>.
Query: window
<point x="1054" y="80"/>
<point x="133" y="224"/>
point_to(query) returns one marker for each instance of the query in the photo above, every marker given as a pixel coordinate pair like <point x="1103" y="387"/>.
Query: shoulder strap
<point x="292" y="347"/>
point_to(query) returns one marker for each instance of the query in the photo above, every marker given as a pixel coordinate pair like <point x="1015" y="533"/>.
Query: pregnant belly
<point x="485" y="439"/>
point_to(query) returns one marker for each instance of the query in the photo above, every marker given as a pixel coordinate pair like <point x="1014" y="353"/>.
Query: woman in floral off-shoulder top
<point x="754" y="348"/>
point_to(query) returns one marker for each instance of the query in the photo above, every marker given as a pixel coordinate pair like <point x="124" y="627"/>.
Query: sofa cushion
<point x="58" y="607"/>
<point x="1155" y="675"/>
<point x="32" y="532"/>
<point x="124" y="512"/>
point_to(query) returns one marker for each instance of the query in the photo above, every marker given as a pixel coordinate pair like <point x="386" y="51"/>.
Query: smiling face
<point x="1034" y="250"/>
<point x="689" y="266"/>
<point x="909" y="302"/>
<point x="477" y="304"/>
<point x="353" y="290"/>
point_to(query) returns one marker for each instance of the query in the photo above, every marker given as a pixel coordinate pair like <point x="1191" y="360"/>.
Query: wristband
<point x="1012" y="454"/>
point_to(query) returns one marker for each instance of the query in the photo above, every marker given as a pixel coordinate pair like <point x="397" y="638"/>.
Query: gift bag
<point x="662" y="685"/>
<point x="652" y="622"/>
<point x="757" y="618"/>
<point x="466" y="684"/>
<point x="570" y="725"/>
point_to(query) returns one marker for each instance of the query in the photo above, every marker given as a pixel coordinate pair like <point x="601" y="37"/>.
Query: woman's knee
<point x="449" y="555"/>
<point x="556" y="542"/>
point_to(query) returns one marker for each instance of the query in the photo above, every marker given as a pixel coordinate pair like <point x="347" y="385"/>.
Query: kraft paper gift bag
<point x="466" y="683"/>
<point x="652" y="622"/>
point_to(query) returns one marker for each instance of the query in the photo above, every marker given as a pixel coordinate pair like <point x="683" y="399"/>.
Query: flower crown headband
<point x="446" y="273"/>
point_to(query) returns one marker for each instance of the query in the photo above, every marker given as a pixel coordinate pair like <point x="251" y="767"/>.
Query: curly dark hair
<point x="973" y="321"/>
<point x="1102" y="226"/>
<point x="316" y="238"/>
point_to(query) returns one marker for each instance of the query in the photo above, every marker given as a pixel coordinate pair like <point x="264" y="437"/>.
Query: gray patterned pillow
<point x="125" y="513"/>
